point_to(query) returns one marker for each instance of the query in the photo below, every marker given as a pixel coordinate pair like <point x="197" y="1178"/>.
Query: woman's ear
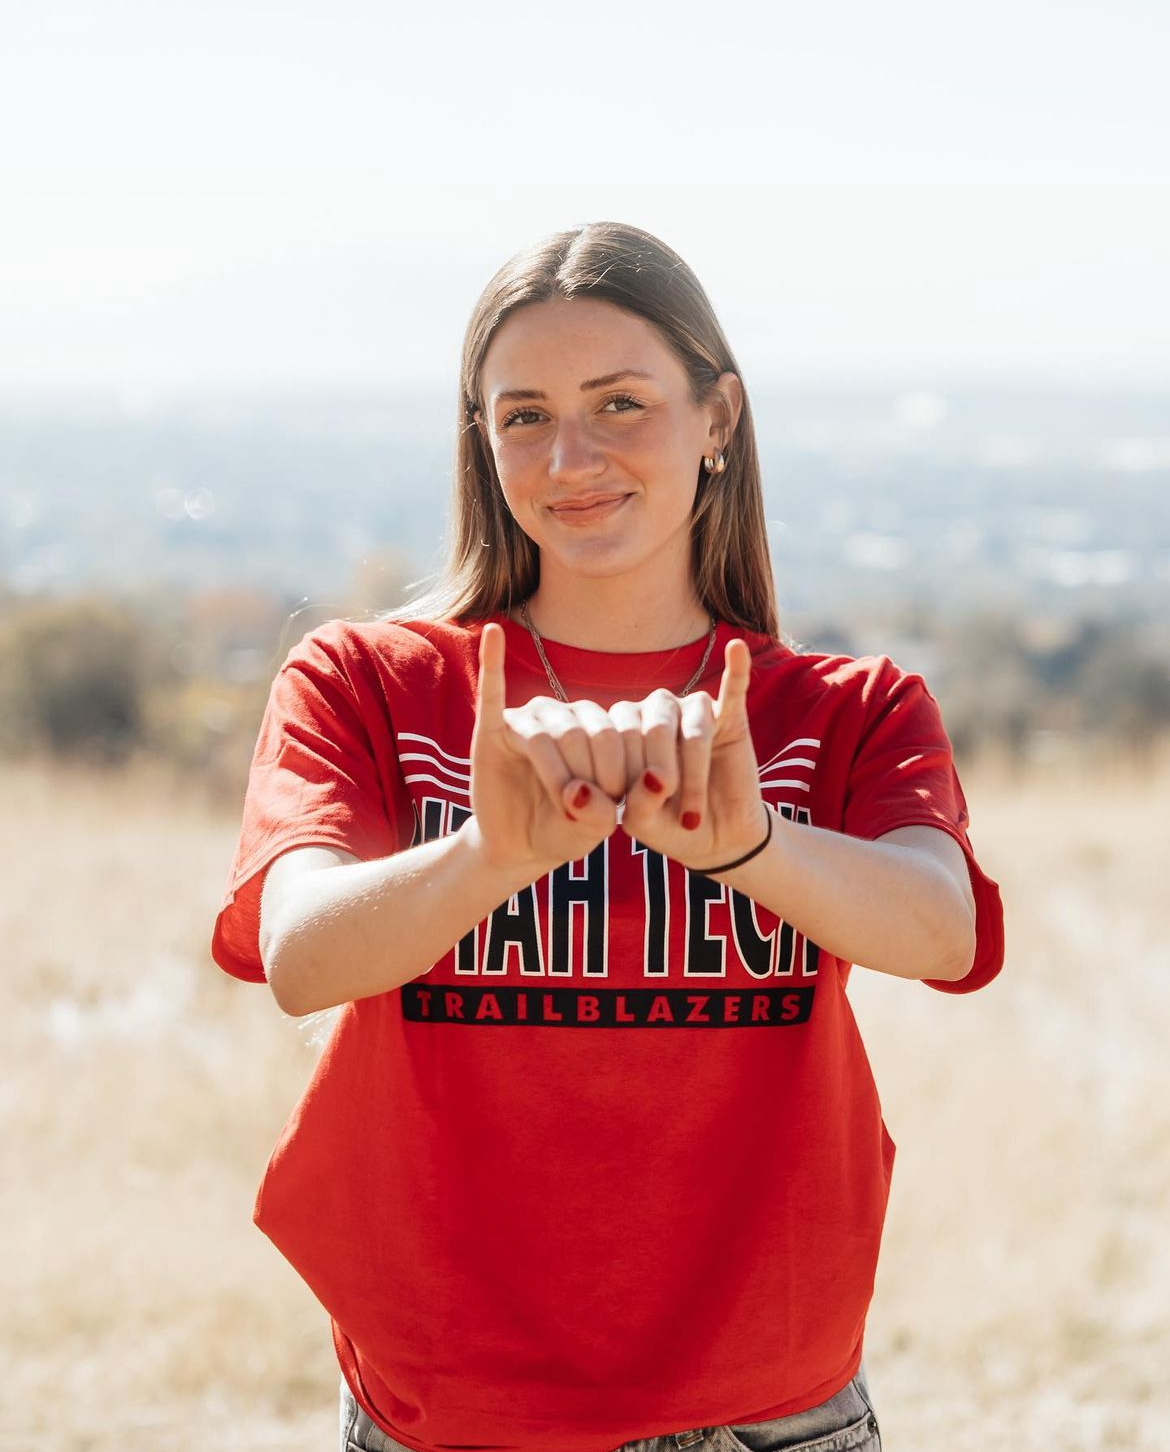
<point x="726" y="407"/>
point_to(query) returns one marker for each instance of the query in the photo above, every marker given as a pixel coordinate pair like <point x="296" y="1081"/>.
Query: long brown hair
<point x="493" y="565"/>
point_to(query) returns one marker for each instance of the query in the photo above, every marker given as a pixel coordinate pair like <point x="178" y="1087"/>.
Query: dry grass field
<point x="1024" y="1297"/>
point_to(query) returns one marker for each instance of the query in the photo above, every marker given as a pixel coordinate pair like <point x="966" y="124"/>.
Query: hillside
<point x="1022" y="1297"/>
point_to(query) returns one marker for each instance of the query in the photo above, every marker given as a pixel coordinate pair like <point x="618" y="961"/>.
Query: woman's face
<point x="596" y="439"/>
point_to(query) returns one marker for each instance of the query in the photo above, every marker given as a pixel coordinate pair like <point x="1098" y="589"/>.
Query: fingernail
<point x="569" y="817"/>
<point x="690" y="820"/>
<point x="652" y="782"/>
<point x="582" y="797"/>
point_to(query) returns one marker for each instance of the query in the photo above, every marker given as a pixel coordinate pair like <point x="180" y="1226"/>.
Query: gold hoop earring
<point x="715" y="465"/>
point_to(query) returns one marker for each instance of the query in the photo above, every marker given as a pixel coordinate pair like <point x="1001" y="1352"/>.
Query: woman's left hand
<point x="694" y="791"/>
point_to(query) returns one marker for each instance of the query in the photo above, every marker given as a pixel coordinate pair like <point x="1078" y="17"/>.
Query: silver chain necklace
<point x="559" y="690"/>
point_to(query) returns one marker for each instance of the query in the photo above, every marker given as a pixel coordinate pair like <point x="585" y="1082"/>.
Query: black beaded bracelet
<point x="747" y="856"/>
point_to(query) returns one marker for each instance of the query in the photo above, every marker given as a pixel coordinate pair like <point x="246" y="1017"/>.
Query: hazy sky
<point x="229" y="193"/>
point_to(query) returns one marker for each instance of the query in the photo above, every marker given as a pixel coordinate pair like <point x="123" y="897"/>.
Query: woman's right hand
<point x="546" y="777"/>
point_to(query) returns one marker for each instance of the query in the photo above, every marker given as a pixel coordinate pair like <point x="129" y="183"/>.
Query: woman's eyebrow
<point x="609" y="378"/>
<point x="509" y="395"/>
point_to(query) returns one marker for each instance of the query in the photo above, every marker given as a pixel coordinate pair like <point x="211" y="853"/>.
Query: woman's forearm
<point x="878" y="904"/>
<point x="351" y="931"/>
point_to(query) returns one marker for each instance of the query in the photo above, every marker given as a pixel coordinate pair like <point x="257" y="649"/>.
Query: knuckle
<point x="569" y="733"/>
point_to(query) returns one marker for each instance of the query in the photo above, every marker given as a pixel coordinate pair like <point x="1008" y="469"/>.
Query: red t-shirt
<point x="616" y="1164"/>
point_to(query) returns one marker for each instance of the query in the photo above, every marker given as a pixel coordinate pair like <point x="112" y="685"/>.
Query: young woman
<point x="593" y="1156"/>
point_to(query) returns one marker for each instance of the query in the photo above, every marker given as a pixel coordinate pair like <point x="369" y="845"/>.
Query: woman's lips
<point x="585" y="511"/>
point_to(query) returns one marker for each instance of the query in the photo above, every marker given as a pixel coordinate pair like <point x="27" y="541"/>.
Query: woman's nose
<point x="574" y="453"/>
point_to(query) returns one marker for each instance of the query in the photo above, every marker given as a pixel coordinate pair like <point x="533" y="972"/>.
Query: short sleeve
<point x="903" y="775"/>
<point x="324" y="773"/>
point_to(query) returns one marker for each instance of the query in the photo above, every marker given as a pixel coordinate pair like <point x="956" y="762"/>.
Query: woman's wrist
<point x="506" y="876"/>
<point x="741" y="858"/>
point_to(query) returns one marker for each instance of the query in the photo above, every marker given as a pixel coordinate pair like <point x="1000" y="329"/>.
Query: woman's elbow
<point x="955" y="952"/>
<point x="290" y="984"/>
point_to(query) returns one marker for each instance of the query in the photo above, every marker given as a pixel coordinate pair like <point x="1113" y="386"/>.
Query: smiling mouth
<point x="594" y="507"/>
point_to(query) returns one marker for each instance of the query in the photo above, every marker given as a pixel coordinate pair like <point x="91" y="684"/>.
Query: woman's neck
<point x="616" y="616"/>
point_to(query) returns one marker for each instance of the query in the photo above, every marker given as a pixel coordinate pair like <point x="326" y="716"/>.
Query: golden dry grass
<point x="1023" y="1301"/>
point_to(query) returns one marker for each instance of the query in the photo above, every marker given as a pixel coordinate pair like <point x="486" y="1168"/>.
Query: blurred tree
<point x="71" y="679"/>
<point x="1124" y="689"/>
<point x="987" y="692"/>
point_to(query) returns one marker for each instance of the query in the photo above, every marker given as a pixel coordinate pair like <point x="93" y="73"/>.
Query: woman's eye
<point x="517" y="415"/>
<point x="623" y="398"/>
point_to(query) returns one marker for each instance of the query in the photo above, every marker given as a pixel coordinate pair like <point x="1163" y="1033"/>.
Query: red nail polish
<point x="582" y="797"/>
<point x="652" y="782"/>
<point x="690" y="820"/>
<point x="569" y="817"/>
